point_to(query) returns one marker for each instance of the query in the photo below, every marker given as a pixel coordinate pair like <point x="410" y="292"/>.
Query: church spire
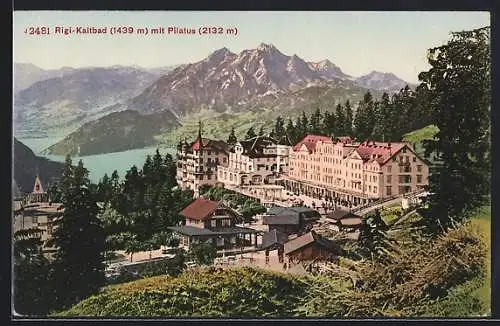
<point x="199" y="130"/>
<point x="37" y="187"/>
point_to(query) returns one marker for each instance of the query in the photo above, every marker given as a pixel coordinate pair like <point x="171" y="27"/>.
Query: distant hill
<point x="26" y="74"/>
<point x="382" y="81"/>
<point x="115" y="132"/>
<point x="27" y="165"/>
<point x="76" y="97"/>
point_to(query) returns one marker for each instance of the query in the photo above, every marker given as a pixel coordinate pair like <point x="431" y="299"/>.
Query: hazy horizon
<point x="357" y="42"/>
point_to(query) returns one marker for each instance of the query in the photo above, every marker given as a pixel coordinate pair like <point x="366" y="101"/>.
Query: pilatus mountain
<point x="257" y="80"/>
<point x="230" y="80"/>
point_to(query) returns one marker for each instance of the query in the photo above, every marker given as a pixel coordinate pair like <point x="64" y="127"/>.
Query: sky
<point x="358" y="42"/>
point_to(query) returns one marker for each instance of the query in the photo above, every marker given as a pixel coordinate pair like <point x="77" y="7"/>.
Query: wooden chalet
<point x="346" y="221"/>
<point x="214" y="223"/>
<point x="290" y="220"/>
<point x="311" y="246"/>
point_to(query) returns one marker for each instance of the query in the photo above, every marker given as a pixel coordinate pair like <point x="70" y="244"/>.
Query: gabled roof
<point x="371" y="151"/>
<point x="310" y="142"/>
<point x="308" y="239"/>
<point x="254" y="147"/>
<point x="37" y="187"/>
<point x="281" y="220"/>
<point x="341" y="214"/>
<point x="210" y="144"/>
<point x="277" y="210"/>
<point x="199" y="209"/>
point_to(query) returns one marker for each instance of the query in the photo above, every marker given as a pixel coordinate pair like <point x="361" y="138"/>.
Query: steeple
<point x="199" y="130"/>
<point x="37" y="187"/>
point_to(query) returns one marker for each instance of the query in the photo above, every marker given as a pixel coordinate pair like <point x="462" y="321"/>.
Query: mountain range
<point x="260" y="80"/>
<point x="70" y="97"/>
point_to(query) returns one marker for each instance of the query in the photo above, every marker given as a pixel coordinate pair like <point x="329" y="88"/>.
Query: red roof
<point x="209" y="144"/>
<point x="380" y="152"/>
<point x="310" y="142"/>
<point x="199" y="209"/>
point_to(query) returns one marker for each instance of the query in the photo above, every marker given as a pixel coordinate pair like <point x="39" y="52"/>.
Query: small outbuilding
<point x="311" y="246"/>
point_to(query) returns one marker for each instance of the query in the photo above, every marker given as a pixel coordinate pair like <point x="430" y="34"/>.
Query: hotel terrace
<point x="320" y="167"/>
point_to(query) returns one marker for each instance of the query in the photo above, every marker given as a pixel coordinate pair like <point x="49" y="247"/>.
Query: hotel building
<point x="321" y="167"/>
<point x="197" y="162"/>
<point x="254" y="165"/>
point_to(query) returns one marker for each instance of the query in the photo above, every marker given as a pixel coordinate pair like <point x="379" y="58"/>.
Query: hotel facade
<point x="359" y="173"/>
<point x="197" y="163"/>
<point x="254" y="165"/>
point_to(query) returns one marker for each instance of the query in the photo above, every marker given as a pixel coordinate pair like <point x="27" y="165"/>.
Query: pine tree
<point x="315" y="122"/>
<point x="304" y="125"/>
<point x="383" y="120"/>
<point x="79" y="239"/>
<point x="261" y="131"/>
<point x="148" y="170"/>
<point x="340" y="120"/>
<point x="250" y="133"/>
<point x="329" y="126"/>
<point x="348" y="119"/>
<point x="291" y="131"/>
<point x="115" y="190"/>
<point x="170" y="171"/>
<point x="231" y="140"/>
<point x="279" y="128"/>
<point x="364" y="120"/>
<point x="459" y="87"/>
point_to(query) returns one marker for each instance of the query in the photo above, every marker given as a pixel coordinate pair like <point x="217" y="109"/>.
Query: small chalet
<point x="290" y="220"/>
<point x="214" y="223"/>
<point x="311" y="246"/>
<point x="346" y="221"/>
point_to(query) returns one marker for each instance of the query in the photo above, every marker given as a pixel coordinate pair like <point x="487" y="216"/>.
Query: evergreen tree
<point x="364" y="120"/>
<point x="261" y="131"/>
<point x="315" y="123"/>
<point x="54" y="193"/>
<point x="79" y="239"/>
<point x="148" y="170"/>
<point x="157" y="168"/>
<point x="329" y="125"/>
<point x="279" y="128"/>
<point x="104" y="189"/>
<point x="303" y="125"/>
<point x="459" y="88"/>
<point x="340" y="120"/>
<point x="115" y="189"/>
<point x="291" y="131"/>
<point x="250" y="133"/>
<point x="383" y="120"/>
<point x="170" y="171"/>
<point x="348" y="119"/>
<point x="231" y="140"/>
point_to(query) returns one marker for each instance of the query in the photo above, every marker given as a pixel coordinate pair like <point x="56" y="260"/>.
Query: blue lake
<point x="99" y="164"/>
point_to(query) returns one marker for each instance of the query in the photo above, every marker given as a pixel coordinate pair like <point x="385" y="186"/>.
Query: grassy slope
<point x="416" y="137"/>
<point x="473" y="298"/>
<point x="254" y="292"/>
